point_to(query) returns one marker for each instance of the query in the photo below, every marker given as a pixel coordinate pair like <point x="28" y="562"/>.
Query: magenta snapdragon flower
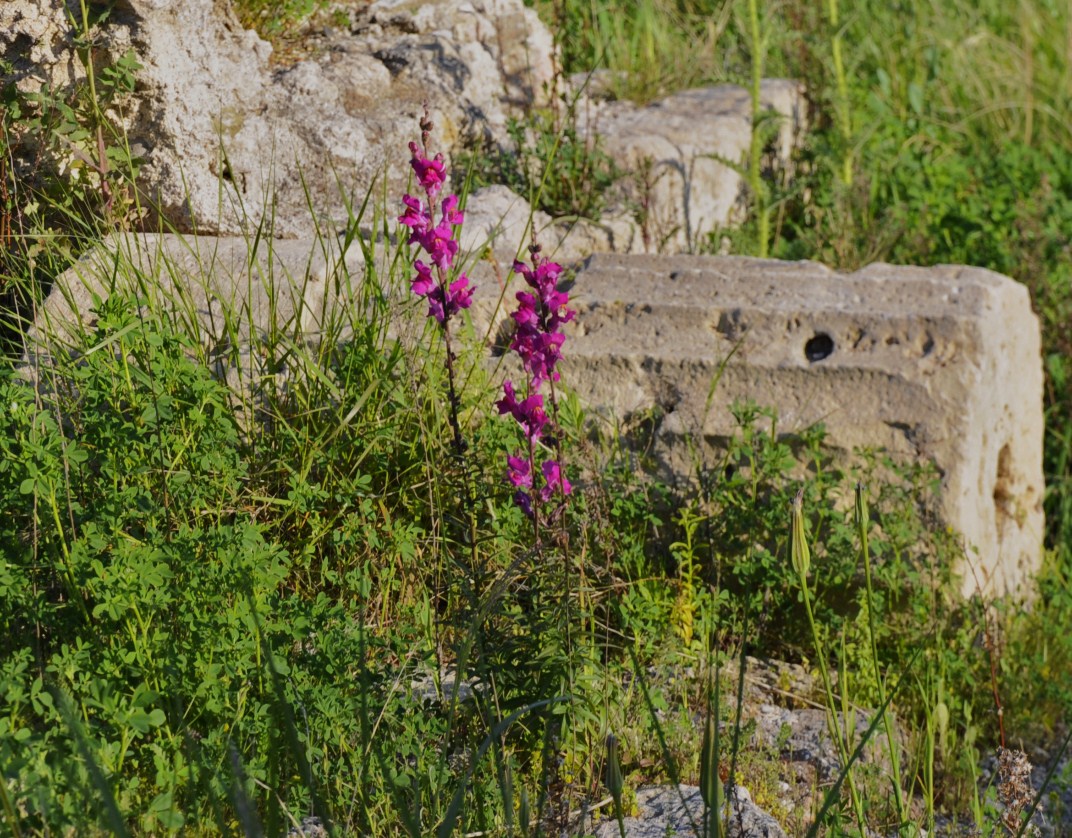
<point x="445" y="298"/>
<point x="539" y="318"/>
<point x="431" y="174"/>
<point x="528" y="413"/>
<point x="555" y="480"/>
<point x="538" y="341"/>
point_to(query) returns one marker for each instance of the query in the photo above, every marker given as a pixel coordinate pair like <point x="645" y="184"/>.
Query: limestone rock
<point x="684" y="154"/>
<point x="513" y="35"/>
<point x="229" y="143"/>
<point x="804" y="736"/>
<point x="941" y="364"/>
<point x="35" y="39"/>
<point x="499" y="219"/>
<point x="678" y="810"/>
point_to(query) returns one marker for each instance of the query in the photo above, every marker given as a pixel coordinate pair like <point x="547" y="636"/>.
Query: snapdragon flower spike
<point x="538" y="340"/>
<point x="424" y="283"/>
<point x="524" y="502"/>
<point x="437" y="240"/>
<point x="555" y="480"/>
<point x="451" y="214"/>
<point x="539" y="352"/>
<point x="416" y="217"/>
<point x="519" y="472"/>
<point x="442" y="305"/>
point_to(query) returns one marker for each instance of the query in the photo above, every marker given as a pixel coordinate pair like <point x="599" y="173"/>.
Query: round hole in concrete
<point x="819" y="346"/>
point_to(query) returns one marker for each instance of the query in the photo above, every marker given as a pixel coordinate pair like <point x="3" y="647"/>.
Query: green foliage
<point x="137" y="587"/>
<point x="745" y="532"/>
<point x="276" y="20"/>
<point x="651" y="48"/>
<point x="547" y="162"/>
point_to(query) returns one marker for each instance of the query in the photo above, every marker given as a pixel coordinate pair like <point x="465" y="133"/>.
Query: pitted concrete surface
<point x="942" y="364"/>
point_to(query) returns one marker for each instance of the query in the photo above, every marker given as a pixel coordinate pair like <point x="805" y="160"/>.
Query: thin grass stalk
<point x="842" y="106"/>
<point x="735" y="747"/>
<point x="711" y="790"/>
<point x="801" y="557"/>
<point x="614" y="781"/>
<point x="755" y="149"/>
<point x="74" y="592"/>
<point x="244" y="808"/>
<point x="835" y="790"/>
<point x="861" y="513"/>
<point x="524" y="812"/>
<point x="928" y="763"/>
<point x="505" y="776"/>
<point x="9" y="810"/>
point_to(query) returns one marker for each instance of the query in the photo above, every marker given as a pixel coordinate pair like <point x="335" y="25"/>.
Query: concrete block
<point x="938" y="363"/>
<point x="272" y="285"/>
<point x="233" y="295"/>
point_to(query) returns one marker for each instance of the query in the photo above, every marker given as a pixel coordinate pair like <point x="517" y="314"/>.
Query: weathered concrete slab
<point x="238" y="289"/>
<point x="937" y="363"/>
<point x="248" y="302"/>
<point x="226" y="288"/>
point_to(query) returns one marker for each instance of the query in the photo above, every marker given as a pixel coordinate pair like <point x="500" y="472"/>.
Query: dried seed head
<point x="1014" y="789"/>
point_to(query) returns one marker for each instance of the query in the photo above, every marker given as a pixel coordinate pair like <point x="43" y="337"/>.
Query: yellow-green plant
<point x="686" y="605"/>
<point x="860" y="511"/>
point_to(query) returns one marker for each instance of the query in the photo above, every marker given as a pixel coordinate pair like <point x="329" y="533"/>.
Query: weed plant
<point x="545" y="160"/>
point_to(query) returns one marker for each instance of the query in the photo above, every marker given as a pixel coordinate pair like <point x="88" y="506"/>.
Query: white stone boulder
<point x="229" y="143"/>
<point x="685" y="153"/>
